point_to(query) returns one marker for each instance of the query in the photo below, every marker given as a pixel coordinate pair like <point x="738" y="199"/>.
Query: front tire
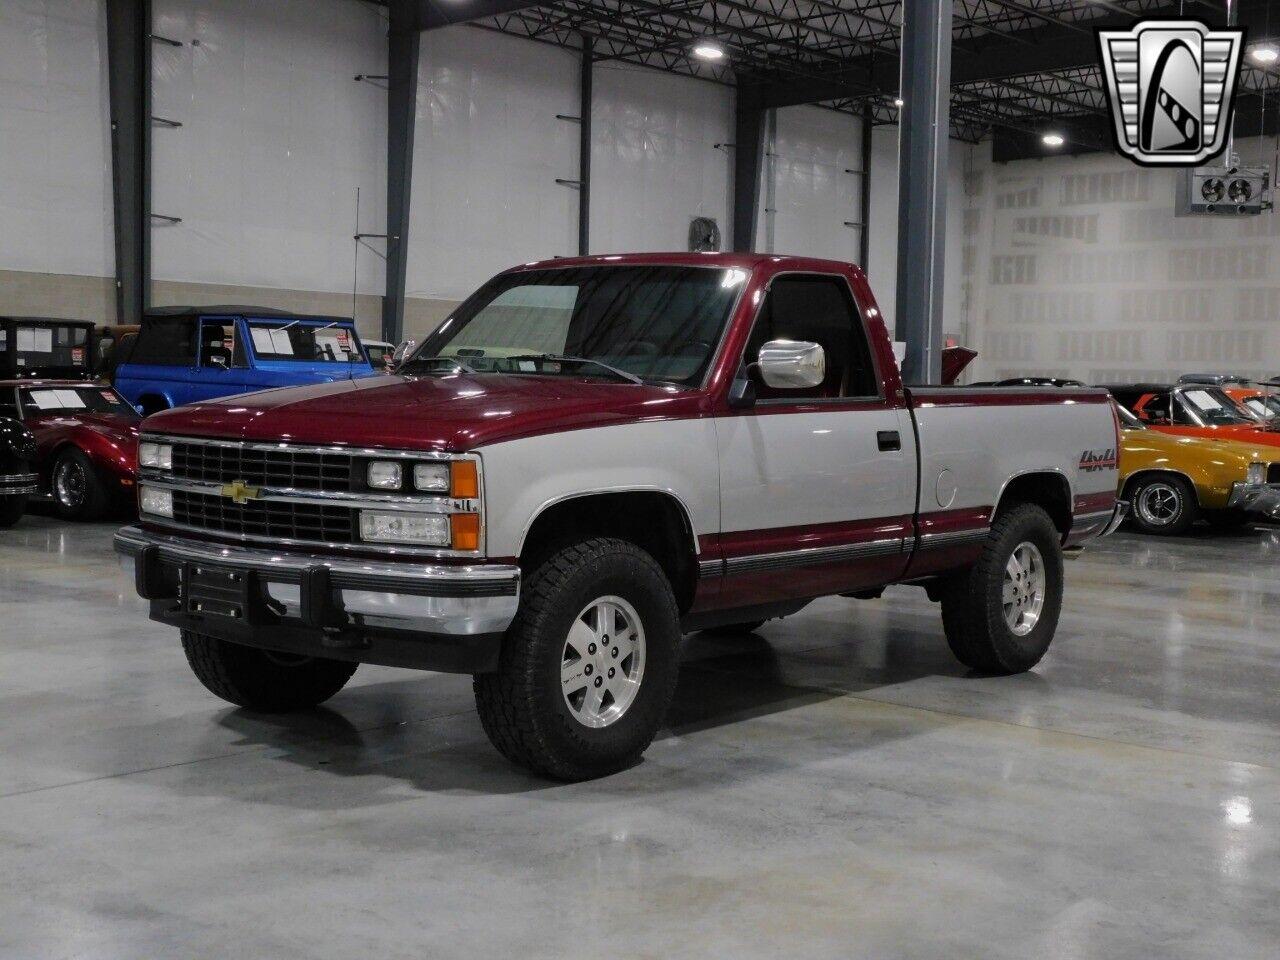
<point x="1163" y="505"/>
<point x="262" y="679"/>
<point x="1000" y="615"/>
<point x="589" y="665"/>
<point x="78" y="491"/>
<point x="11" y="510"/>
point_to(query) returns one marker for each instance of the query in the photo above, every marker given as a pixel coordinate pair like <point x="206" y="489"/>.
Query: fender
<point x="661" y="491"/>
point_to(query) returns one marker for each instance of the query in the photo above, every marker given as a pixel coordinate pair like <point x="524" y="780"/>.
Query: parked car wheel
<point x="735" y="629"/>
<point x="261" y="679"/>
<point x="589" y="665"/>
<point x="1000" y="616"/>
<point x="1162" y="504"/>
<point x="11" y="510"/>
<point x="78" y="491"/>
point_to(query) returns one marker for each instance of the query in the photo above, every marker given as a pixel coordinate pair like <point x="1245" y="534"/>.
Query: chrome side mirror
<point x="402" y="352"/>
<point x="792" y="365"/>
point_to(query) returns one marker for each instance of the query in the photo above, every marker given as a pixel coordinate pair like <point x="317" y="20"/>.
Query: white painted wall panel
<point x="55" y="172"/>
<point x="276" y="138"/>
<point x="487" y="152"/>
<point x="654" y="165"/>
<point x="813" y="196"/>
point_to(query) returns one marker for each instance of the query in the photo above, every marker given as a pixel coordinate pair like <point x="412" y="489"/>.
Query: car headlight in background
<point x="431" y="529"/>
<point x="1257" y="473"/>
<point x="157" y="455"/>
<point x="156" y="501"/>
<point x="384" y="475"/>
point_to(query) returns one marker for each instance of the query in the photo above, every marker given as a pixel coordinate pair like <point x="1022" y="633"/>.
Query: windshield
<point x="1209" y="406"/>
<point x="305" y="342"/>
<point x="72" y="400"/>
<point x="1264" y="406"/>
<point x="655" y="323"/>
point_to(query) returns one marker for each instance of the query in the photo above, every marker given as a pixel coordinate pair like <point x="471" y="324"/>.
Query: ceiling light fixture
<point x="898" y="102"/>
<point x="1053" y="140"/>
<point x="1266" y="54"/>
<point x="708" y="50"/>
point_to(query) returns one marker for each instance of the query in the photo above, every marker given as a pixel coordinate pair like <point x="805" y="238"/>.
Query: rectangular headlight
<point x="157" y="502"/>
<point x="384" y="475"/>
<point x="431" y="477"/>
<point x="1257" y="473"/>
<point x="394" y="527"/>
<point x="157" y="455"/>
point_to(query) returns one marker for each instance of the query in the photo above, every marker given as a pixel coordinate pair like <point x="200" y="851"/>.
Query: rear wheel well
<point x="1046" y="490"/>
<point x="152" y="403"/>
<point x="655" y="522"/>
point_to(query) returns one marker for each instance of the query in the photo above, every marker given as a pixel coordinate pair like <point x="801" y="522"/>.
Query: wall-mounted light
<point x="1265" y="54"/>
<point x="708" y="50"/>
<point x="1053" y="140"/>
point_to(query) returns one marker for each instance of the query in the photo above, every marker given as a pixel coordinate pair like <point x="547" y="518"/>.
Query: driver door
<point x="817" y="486"/>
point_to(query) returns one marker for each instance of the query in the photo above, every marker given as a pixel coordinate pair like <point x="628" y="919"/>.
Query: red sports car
<point x="86" y="440"/>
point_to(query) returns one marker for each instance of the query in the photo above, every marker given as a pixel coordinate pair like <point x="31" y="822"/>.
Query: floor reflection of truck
<point x="185" y="354"/>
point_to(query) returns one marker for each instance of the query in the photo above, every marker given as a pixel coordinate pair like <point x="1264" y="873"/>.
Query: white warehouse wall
<point x="1081" y="269"/>
<point x="55" y="187"/>
<point x="276" y="137"/>
<point x="487" y="151"/>
<point x="808" y="195"/>
<point x="654" y="161"/>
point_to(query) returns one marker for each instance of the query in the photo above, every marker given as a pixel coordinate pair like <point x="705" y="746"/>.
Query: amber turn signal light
<point x="466" y="531"/>
<point x="464" y="480"/>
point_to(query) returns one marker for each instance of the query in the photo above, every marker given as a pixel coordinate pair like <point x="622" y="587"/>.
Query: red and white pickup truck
<point x="589" y="458"/>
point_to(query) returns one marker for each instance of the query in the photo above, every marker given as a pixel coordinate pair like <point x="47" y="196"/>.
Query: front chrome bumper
<point x="1261" y="498"/>
<point x="19" y="484"/>
<point x="340" y="601"/>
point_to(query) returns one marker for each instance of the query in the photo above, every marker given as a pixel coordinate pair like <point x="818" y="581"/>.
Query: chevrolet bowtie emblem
<point x="240" y="492"/>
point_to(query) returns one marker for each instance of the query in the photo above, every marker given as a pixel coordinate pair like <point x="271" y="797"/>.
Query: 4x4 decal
<point x="1091" y="461"/>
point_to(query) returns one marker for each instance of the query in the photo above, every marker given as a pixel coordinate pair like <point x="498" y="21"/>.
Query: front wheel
<point x="589" y="665"/>
<point x="1163" y="504"/>
<point x="78" y="491"/>
<point x="263" y="679"/>
<point x="11" y="510"/>
<point x="1000" y="615"/>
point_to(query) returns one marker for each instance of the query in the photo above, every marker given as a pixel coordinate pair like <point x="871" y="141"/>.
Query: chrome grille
<point x="295" y="469"/>
<point x="274" y="519"/>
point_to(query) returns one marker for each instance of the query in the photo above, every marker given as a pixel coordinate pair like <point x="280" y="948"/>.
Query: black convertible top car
<point x="18" y="478"/>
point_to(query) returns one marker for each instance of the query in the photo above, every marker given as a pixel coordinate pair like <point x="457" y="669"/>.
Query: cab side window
<point x="818" y="309"/>
<point x="213" y="349"/>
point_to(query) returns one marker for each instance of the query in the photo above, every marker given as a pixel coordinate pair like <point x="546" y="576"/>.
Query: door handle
<point x="888" y="440"/>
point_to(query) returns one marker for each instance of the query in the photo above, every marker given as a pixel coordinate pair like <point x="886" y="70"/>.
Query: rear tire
<point x="78" y="491"/>
<point x="1163" y="504"/>
<point x="570" y="700"/>
<point x="261" y="679"/>
<point x="11" y="510"/>
<point x="1001" y="614"/>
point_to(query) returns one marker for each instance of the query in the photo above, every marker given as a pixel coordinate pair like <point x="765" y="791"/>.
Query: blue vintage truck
<point x="186" y="354"/>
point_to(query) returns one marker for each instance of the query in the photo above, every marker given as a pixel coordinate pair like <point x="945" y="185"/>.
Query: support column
<point x="584" y="147"/>
<point x="129" y="83"/>
<point x="402" y="102"/>
<point x="748" y="157"/>
<point x="864" y="241"/>
<point x="923" y="132"/>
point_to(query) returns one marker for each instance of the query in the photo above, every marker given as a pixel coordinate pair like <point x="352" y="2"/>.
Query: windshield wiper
<point x="452" y="361"/>
<point x="561" y="358"/>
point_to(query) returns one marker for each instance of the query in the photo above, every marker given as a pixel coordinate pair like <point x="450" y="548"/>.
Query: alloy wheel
<point x="602" y="663"/>
<point x="1023" y="591"/>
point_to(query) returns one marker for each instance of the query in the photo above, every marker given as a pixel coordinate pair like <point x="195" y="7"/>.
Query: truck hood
<point x="449" y="413"/>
